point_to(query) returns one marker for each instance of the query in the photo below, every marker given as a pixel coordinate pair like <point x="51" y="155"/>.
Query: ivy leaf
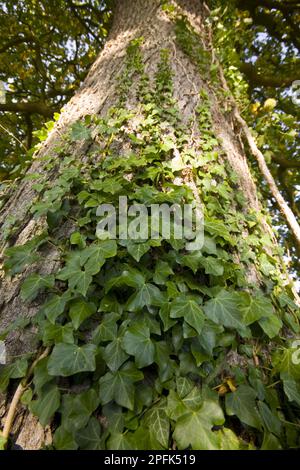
<point x="41" y="376"/>
<point x="254" y="307"/>
<point x="34" y="283"/>
<point x="55" y="306"/>
<point x="271" y="325"/>
<point x="190" y="311"/>
<point x="164" y="314"/>
<point x="16" y="370"/>
<point x="103" y="249"/>
<point x="270" y="420"/>
<point x="79" y="132"/>
<point x="78" y="276"/>
<point x="78" y="279"/>
<point x="17" y="257"/>
<point x="147" y="295"/>
<point x="159" y="425"/>
<point x="162" y="272"/>
<point x="228" y="440"/>
<point x="80" y="310"/>
<point x="58" y="333"/>
<point x="45" y="406"/>
<point x="286" y="362"/>
<point x="129" y="277"/>
<point x="77" y="239"/>
<point x="195" y="428"/>
<point x="107" y="185"/>
<point x="119" y="441"/>
<point x="179" y="405"/>
<point x="217" y="228"/>
<point x="137" y="250"/>
<point x="89" y="438"/>
<point x="69" y="359"/>
<point x="3" y="443"/>
<point x="114" y="355"/>
<point x="76" y="409"/>
<point x="212" y="266"/>
<point x="224" y="310"/>
<point x="242" y="404"/>
<point x="64" y="440"/>
<point x="291" y="389"/>
<point x="119" y="386"/>
<point x="137" y="342"/>
<point x="107" y="330"/>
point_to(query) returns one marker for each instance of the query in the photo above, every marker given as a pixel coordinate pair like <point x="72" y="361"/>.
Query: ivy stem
<point x="18" y="394"/>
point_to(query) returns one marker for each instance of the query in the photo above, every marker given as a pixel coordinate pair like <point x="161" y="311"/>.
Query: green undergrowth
<point x="151" y="346"/>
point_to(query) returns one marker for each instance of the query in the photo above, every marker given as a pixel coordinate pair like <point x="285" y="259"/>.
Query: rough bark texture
<point x="96" y="96"/>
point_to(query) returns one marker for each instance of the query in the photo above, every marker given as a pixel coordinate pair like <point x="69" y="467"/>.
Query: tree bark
<point x="96" y="96"/>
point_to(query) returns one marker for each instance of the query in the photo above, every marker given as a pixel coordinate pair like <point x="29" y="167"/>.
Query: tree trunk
<point x="122" y="76"/>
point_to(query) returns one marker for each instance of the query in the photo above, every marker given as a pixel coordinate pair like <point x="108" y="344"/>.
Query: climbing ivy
<point x="145" y="345"/>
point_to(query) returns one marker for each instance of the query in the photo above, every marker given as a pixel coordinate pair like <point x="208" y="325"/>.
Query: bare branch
<point x="28" y="108"/>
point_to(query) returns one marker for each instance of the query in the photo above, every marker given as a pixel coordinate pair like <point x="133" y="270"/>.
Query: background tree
<point x="40" y="76"/>
<point x="139" y="343"/>
<point x="46" y="49"/>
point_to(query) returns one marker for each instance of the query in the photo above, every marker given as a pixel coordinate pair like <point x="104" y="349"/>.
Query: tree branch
<point x="261" y="79"/>
<point x="28" y="108"/>
<point x="284" y="208"/>
<point x="284" y="163"/>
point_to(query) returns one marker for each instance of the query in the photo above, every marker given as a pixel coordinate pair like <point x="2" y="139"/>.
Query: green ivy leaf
<point x="40" y="375"/>
<point x="119" y="441"/>
<point x="162" y="272"/>
<point x="242" y="404"/>
<point x="17" y="257"/>
<point x="190" y="311"/>
<point x="16" y="370"/>
<point x="195" y="428"/>
<point x="224" y="310"/>
<point x="89" y="438"/>
<point x="64" y="440"/>
<point x="119" y="386"/>
<point x="69" y="359"/>
<point x="107" y="185"/>
<point x="58" y="333"/>
<point x="271" y="325"/>
<point x="137" y="250"/>
<point x="254" y="307"/>
<point x="137" y="342"/>
<point x="34" y="283"/>
<point x="80" y="310"/>
<point x="45" y="406"/>
<point x="54" y="307"/>
<point x="270" y="420"/>
<point x="80" y="132"/>
<point x="159" y="425"/>
<point x="291" y="389"/>
<point x="217" y="228"/>
<point x="107" y="330"/>
<point x="129" y="277"/>
<point x="76" y="409"/>
<point x="3" y="443"/>
<point x="179" y="405"/>
<point x="147" y="295"/>
<point x="79" y="271"/>
<point x="114" y="354"/>
<point x="285" y="363"/>
<point x="212" y="265"/>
